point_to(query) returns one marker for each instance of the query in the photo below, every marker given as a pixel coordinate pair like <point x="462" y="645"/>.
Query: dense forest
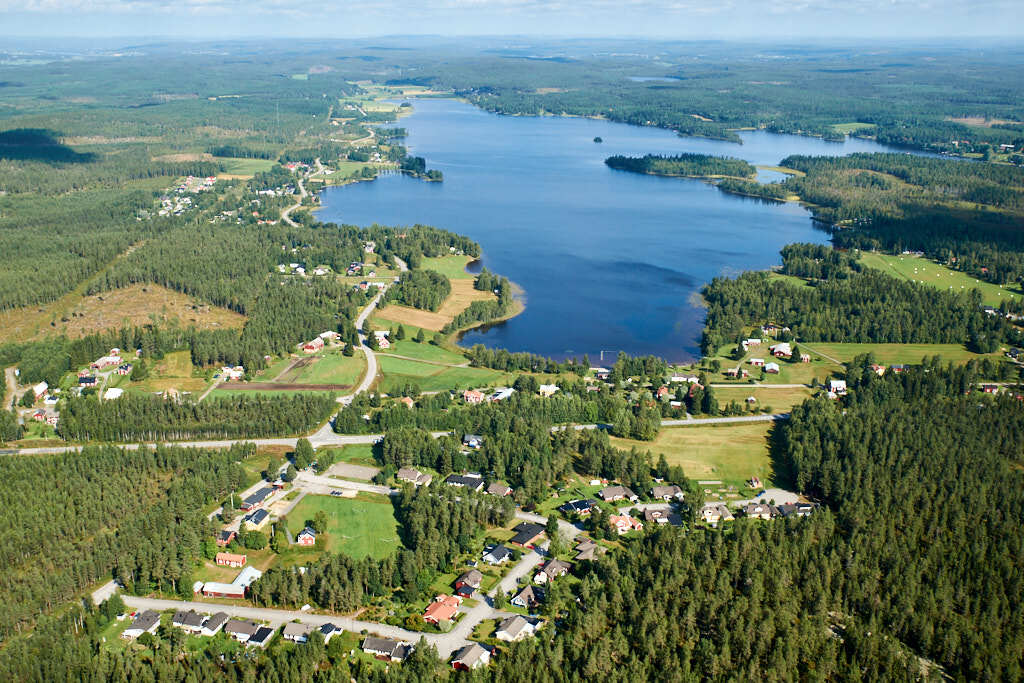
<point x="88" y="512"/>
<point x="847" y="306"/>
<point x="424" y="289"/>
<point x="689" y="165"/>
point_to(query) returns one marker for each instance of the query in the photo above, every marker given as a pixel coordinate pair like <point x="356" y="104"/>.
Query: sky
<point x="673" y="19"/>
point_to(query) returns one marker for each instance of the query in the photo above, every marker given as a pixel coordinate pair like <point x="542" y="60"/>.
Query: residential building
<point x="225" y="536"/>
<point x="471" y="481"/>
<point x="328" y="631"/>
<point x="757" y="362"/>
<point x="796" y="509"/>
<point x="499" y="489"/>
<point x="668" y="492"/>
<point x="257" y="499"/>
<point x="656" y="516"/>
<point x="256" y="520"/>
<point x="144" y="622"/>
<point x="837" y="386"/>
<point x="472" y="656"/>
<point x="240" y="630"/>
<point x="472" y="441"/>
<point x="551" y="570"/>
<point x="407" y="402"/>
<point x="759" y="511"/>
<point x="40" y="389"/>
<point x="713" y="513"/>
<point x="586" y="550"/>
<point x="613" y="493"/>
<point x="625" y="523"/>
<point x="548" y="390"/>
<point x="515" y="628"/>
<point x="469" y="582"/>
<point x="313" y="345"/>
<point x="188" y="621"/>
<point x="297" y="633"/>
<point x="772" y="368"/>
<point x="781" y="350"/>
<point x="528" y="598"/>
<point x="526" y="533"/>
<point x="473" y="396"/>
<point x="214" y="624"/>
<point x="262" y="636"/>
<point x="444" y="608"/>
<point x="230" y="560"/>
<point x="580" y="507"/>
<point x="413" y="476"/>
<point x="386" y="649"/>
<point x="306" y="537"/>
<point x="499" y="554"/>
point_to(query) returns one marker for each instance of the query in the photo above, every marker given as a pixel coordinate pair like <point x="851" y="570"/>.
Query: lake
<point x="608" y="260"/>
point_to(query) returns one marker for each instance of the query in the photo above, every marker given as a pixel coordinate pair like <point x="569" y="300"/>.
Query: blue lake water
<point x="608" y="260"/>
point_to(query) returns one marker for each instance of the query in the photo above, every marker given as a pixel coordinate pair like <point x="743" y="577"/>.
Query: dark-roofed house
<point x="796" y="509"/>
<point x="257" y="499"/>
<point x="580" y="507"/>
<point x="328" y="631"/>
<point x="468" y="582"/>
<point x="240" y="630"/>
<point x="144" y="622"/>
<point x="262" y="636"/>
<point x="214" y="624"/>
<point x="472" y="440"/>
<point x="612" y="493"/>
<point x="667" y="492"/>
<point x="413" y="476"/>
<point x="528" y="598"/>
<point x="225" y="536"/>
<point x="515" y="628"/>
<point x="297" y="633"/>
<point x="499" y="554"/>
<point x="551" y="570"/>
<point x="188" y="621"/>
<point x="471" y="481"/>
<point x="656" y="516"/>
<point x="386" y="649"/>
<point x="473" y="656"/>
<point x="256" y="520"/>
<point x="526" y="533"/>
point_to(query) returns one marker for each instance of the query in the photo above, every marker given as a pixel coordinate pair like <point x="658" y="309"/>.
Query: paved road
<point x="568" y="529"/>
<point x="757" y="385"/>
<point x="724" y="420"/>
<point x="302" y="195"/>
<point x="307" y="478"/>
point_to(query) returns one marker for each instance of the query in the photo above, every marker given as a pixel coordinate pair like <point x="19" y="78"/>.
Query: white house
<point x="837" y="386"/>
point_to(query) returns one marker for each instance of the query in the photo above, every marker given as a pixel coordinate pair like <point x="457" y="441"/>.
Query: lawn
<point x="274" y="369"/>
<point x="789" y="373"/>
<point x="398" y="371"/>
<point x="174" y="370"/>
<point x="423" y="351"/>
<point x="330" y="368"/>
<point x="780" y="400"/>
<point x="887" y="354"/>
<point x="357" y="454"/>
<point x="246" y="167"/>
<point x="359" y="527"/>
<point x="452" y="267"/>
<point x="919" y="269"/>
<point x="852" y="127"/>
<point x="731" y="453"/>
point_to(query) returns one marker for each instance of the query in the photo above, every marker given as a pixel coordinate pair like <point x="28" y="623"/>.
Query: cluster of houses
<point x="474" y="396"/>
<point x="321" y="340"/>
<point x="714" y="513"/>
<point x="244" y="631"/>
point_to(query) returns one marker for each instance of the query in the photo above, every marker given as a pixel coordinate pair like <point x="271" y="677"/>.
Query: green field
<point x="789" y="373"/>
<point x="424" y="350"/>
<point x="359" y="527"/>
<point x="918" y="269"/>
<point x="331" y="368"/>
<point x="780" y="400"/>
<point x="853" y="127"/>
<point x="731" y="453"/>
<point x="245" y="166"/>
<point x="894" y="353"/>
<point x="453" y="267"/>
<point x="357" y="454"/>
<point x="397" y="371"/>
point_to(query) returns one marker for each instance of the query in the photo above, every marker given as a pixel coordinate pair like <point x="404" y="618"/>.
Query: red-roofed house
<point x="444" y="608"/>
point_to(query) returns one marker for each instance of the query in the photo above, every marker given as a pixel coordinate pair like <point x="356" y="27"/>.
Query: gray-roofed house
<point x="667" y="492"/>
<point x="656" y="516"/>
<point x="188" y="621"/>
<point x="551" y="570"/>
<point x="515" y="628"/>
<point x="144" y="622"/>
<point x="469" y="582"/>
<point x="528" y="598"/>
<point x="472" y="656"/>
<point x="759" y="510"/>
<point x="386" y="648"/>
<point x="612" y="493"/>
<point x="587" y="550"/>
<point x="297" y="633"/>
<point x="240" y="630"/>
<point x="499" y="554"/>
<point x="499" y="489"/>
<point x="214" y="624"/>
<point x="413" y="476"/>
<point x="713" y="513"/>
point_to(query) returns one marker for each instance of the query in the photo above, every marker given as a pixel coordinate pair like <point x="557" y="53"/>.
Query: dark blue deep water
<point x="608" y="260"/>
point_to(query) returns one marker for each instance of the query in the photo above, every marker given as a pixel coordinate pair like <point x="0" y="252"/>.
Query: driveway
<point x="348" y="471"/>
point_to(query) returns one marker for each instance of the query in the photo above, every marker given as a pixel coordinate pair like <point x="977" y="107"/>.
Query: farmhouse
<point x="444" y="608"/>
<point x="313" y="345"/>
<point x="306" y="537"/>
<point x="837" y="386"/>
<point x="472" y="396"/>
<point x="757" y="362"/>
<point x="473" y="656"/>
<point x="144" y="622"/>
<point x="124" y="369"/>
<point x="230" y="560"/>
<point x="771" y="368"/>
<point x="382" y="338"/>
<point x="781" y="350"/>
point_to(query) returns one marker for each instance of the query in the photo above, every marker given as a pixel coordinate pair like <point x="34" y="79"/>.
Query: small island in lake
<point x="684" y="165"/>
<point x="598" y="139"/>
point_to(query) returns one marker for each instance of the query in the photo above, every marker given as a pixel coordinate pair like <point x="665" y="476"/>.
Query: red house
<point x="307" y="537"/>
<point x="313" y="346"/>
<point x="230" y="560"/>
